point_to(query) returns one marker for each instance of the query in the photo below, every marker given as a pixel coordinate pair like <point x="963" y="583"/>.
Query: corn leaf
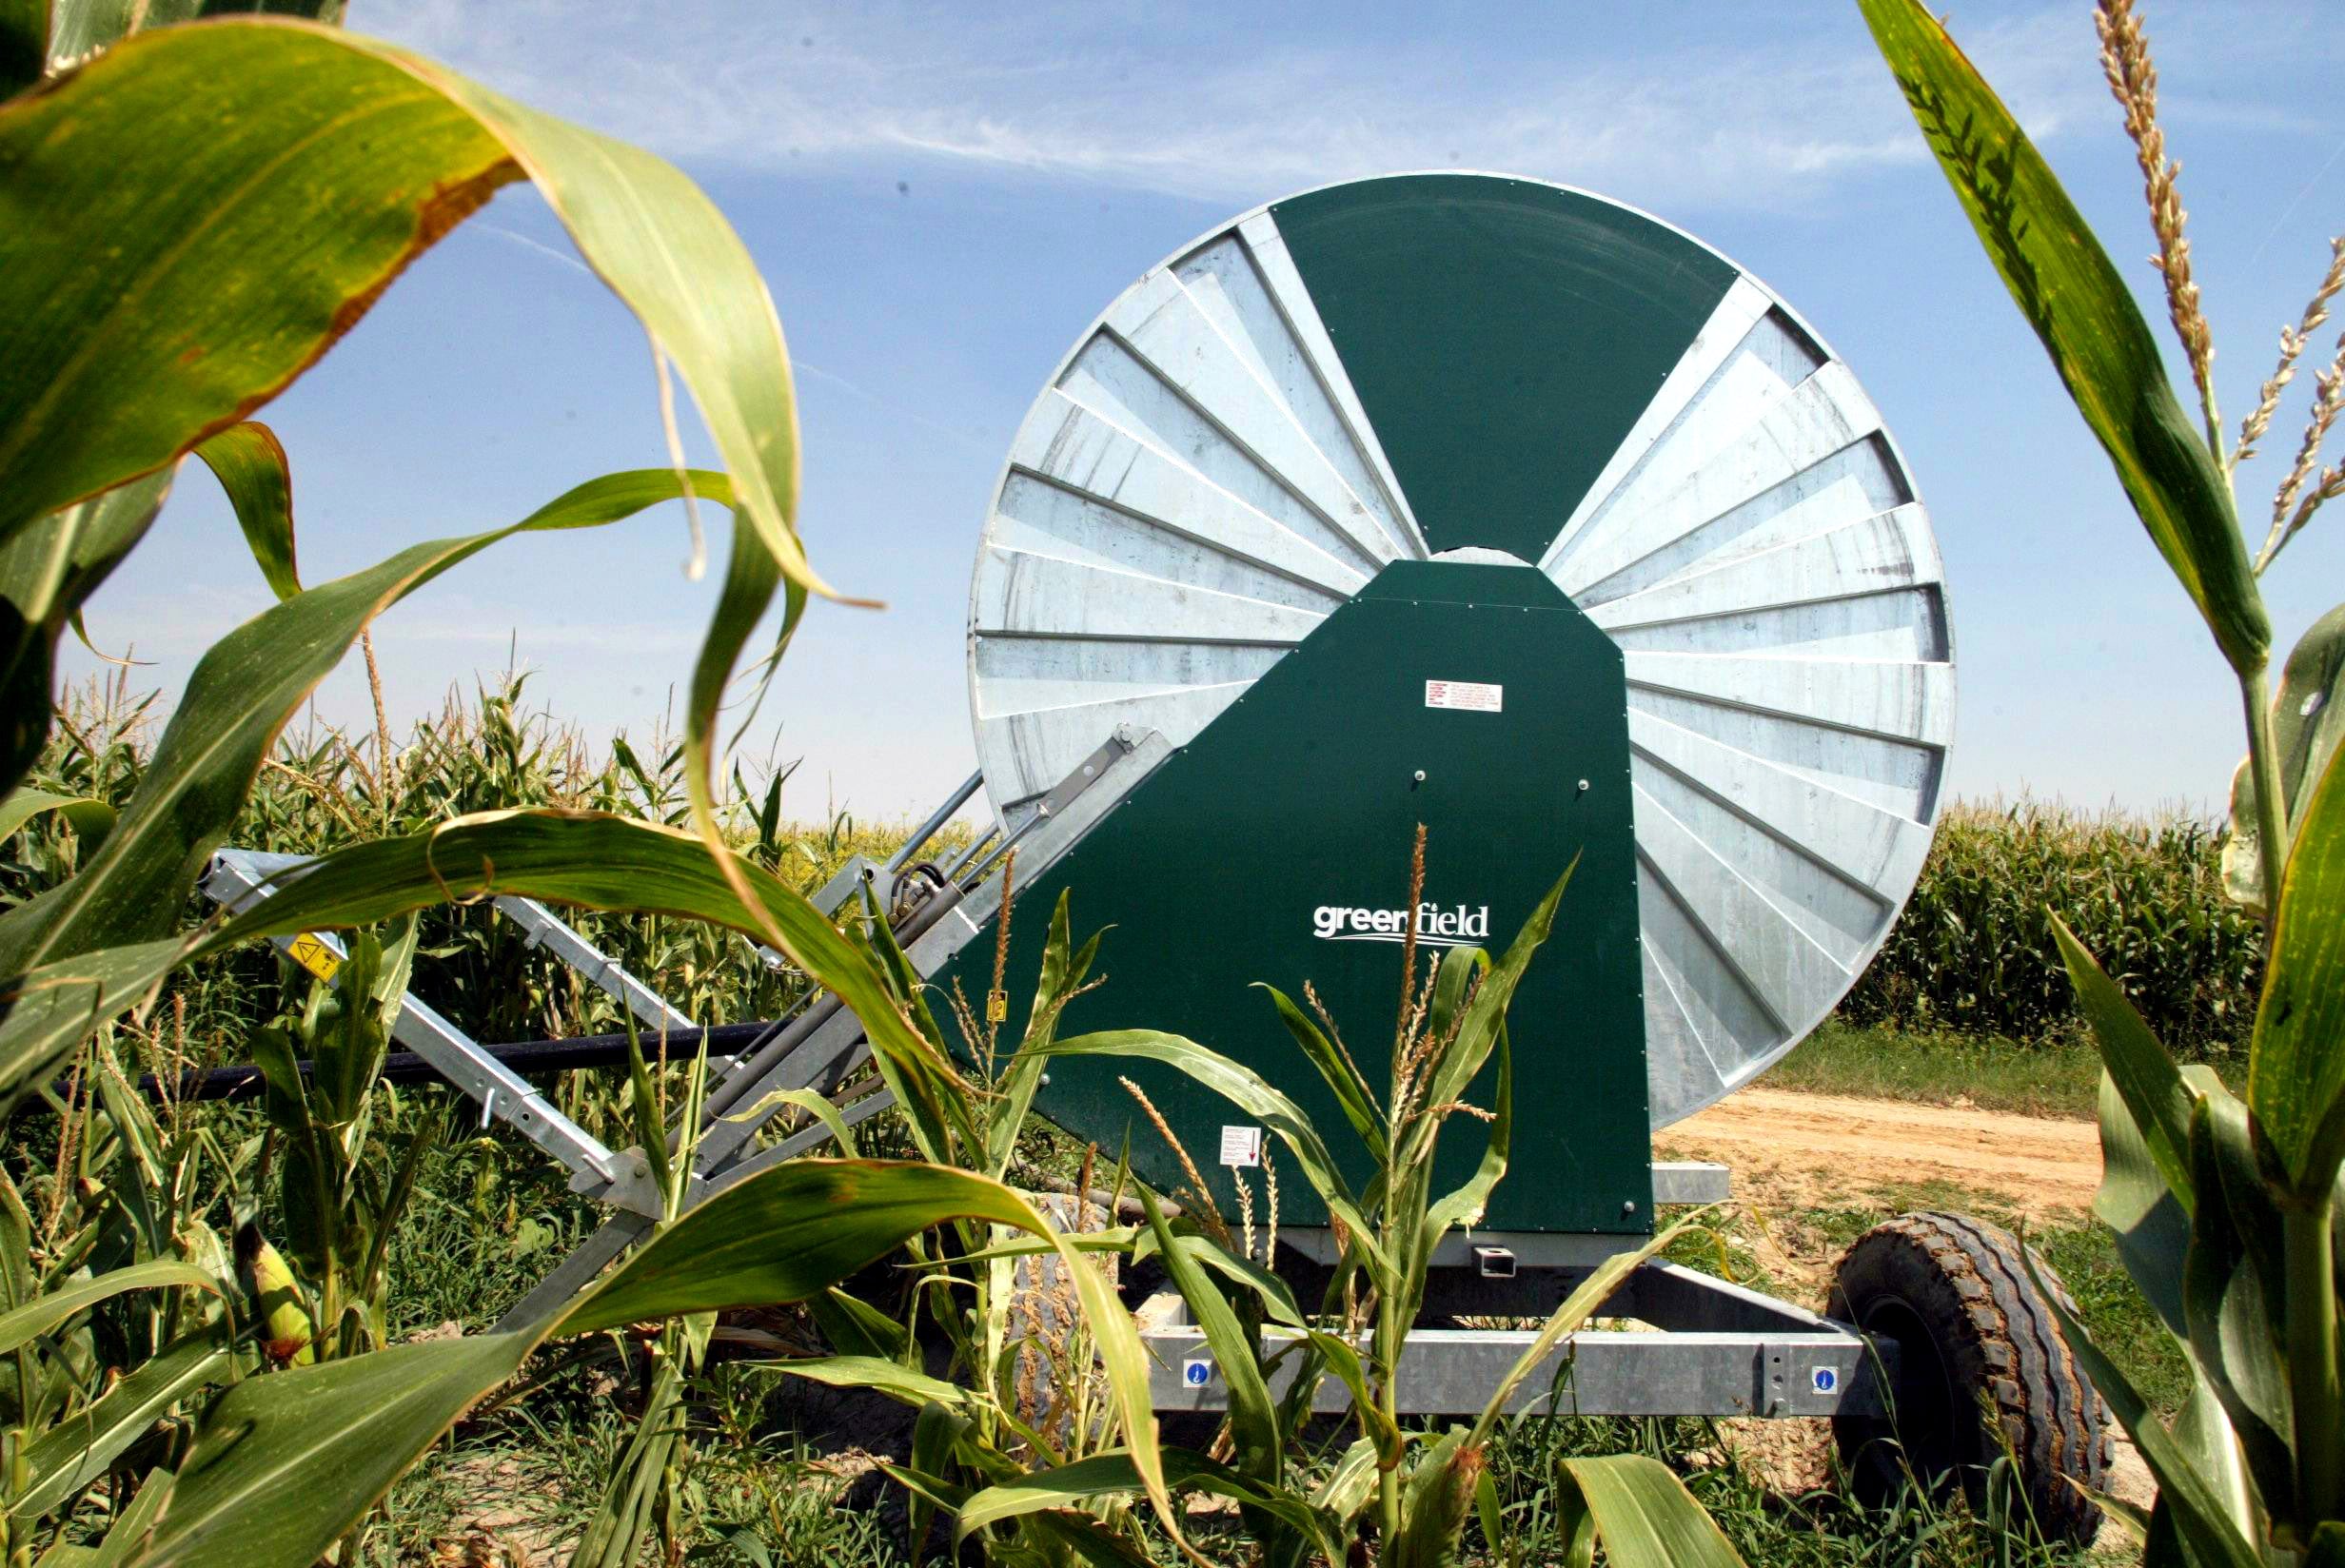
<point x="2196" y="1503"/>
<point x="83" y="1446"/>
<point x="222" y="286"/>
<point x="1345" y="1491"/>
<point x="935" y="1100"/>
<point x="133" y="1527"/>
<point x="1095" y="1543"/>
<point x="47" y="570"/>
<point x="839" y="1216"/>
<point x="1113" y="1473"/>
<point x="249" y="1490"/>
<point x="2072" y="295"/>
<point x="1278" y="1302"/>
<point x="817" y="1106"/>
<point x="2145" y="1076"/>
<point x="2306" y="726"/>
<point x="2234" y="1280"/>
<point x="1062" y="972"/>
<point x="242" y="1496"/>
<point x="1645" y="1516"/>
<point x="893" y="1378"/>
<point x="1242" y="1086"/>
<point x="1118" y="1239"/>
<point x="2296" y="1077"/>
<point x="250" y="464"/>
<point x="92" y="820"/>
<point x="237" y="699"/>
<point x="1341" y="1074"/>
<point x="2150" y="1229"/>
<point x="854" y="1327"/>
<point x="43" y="1313"/>
<point x="1464" y="1207"/>
<point x="938" y="1432"/>
<point x="1342" y="1357"/>
<point x="751" y="576"/>
<point x="1485" y="1014"/>
<point x="1254" y="1421"/>
<point x="54" y="1007"/>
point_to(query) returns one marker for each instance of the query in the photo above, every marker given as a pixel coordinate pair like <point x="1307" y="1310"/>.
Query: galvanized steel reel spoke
<point x="1417" y="365"/>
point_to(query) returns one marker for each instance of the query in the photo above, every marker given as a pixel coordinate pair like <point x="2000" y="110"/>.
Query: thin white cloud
<point x="1767" y="109"/>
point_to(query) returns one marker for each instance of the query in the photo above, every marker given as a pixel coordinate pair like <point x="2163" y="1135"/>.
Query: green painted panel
<point x="1301" y="797"/>
<point x="1502" y="335"/>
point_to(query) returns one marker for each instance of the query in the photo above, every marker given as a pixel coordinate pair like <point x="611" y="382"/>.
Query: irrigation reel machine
<point x="1499" y="507"/>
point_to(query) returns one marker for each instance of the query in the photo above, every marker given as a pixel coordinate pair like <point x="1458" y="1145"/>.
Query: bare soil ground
<point x="1804" y="1151"/>
<point x="1792" y="1151"/>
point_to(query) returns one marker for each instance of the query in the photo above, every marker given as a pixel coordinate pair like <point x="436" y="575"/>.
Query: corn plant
<point x="343" y="1187"/>
<point x="2226" y="1207"/>
<point x="146" y="145"/>
<point x="1452" y="1026"/>
<point x="1029" y="1380"/>
<point x="639" y="1497"/>
<point x="119" y="1306"/>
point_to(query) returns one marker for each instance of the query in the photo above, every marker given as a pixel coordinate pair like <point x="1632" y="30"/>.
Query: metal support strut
<point x="241" y="878"/>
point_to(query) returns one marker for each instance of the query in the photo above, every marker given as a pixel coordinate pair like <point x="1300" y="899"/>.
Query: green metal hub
<point x="1473" y="699"/>
<point x="1503" y="336"/>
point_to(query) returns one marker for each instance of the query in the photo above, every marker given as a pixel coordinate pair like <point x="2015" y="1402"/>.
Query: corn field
<point x="1973" y="951"/>
<point x="487" y="749"/>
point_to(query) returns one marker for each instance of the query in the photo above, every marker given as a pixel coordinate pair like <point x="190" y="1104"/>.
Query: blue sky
<point x="942" y="197"/>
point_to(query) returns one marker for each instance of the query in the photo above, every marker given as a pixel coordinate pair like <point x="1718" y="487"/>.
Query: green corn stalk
<point x="216" y="289"/>
<point x="1452" y="1026"/>
<point x="638" y="1503"/>
<point x="338" y="1217"/>
<point x="118" y="1306"/>
<point x="2226" y="1208"/>
<point x="965" y="1106"/>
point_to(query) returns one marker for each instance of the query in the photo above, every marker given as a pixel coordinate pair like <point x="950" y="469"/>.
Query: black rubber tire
<point x="1970" y="1327"/>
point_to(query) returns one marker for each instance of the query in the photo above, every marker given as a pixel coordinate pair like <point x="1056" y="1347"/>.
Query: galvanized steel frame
<point x="240" y="878"/>
<point x="1711" y="1348"/>
<point x="821" y="1047"/>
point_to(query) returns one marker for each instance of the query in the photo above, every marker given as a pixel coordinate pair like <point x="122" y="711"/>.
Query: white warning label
<point x="1475" y="694"/>
<point x="1241" y="1146"/>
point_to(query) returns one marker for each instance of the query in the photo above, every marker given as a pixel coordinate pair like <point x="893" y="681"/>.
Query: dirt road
<point x="1793" y="1152"/>
<point x="1816" y="1150"/>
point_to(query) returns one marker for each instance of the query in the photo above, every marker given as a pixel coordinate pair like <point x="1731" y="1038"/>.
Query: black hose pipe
<point x="527" y="1057"/>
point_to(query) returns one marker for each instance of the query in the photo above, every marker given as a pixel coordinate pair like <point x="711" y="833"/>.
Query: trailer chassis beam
<point x="1711" y="1348"/>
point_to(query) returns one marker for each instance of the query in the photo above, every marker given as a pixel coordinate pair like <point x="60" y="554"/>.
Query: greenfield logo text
<point x="1436" y="926"/>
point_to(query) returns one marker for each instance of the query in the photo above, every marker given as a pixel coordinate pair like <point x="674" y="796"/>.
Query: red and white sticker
<point x="1473" y="694"/>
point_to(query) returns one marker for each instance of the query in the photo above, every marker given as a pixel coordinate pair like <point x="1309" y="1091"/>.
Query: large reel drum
<point x="1478" y="367"/>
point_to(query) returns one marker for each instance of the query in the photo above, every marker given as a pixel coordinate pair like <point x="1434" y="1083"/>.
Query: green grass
<point x="2055" y="1077"/>
<point x="764" y="1495"/>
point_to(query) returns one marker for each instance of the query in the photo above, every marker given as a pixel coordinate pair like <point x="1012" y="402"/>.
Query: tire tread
<point x="2048" y="1411"/>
